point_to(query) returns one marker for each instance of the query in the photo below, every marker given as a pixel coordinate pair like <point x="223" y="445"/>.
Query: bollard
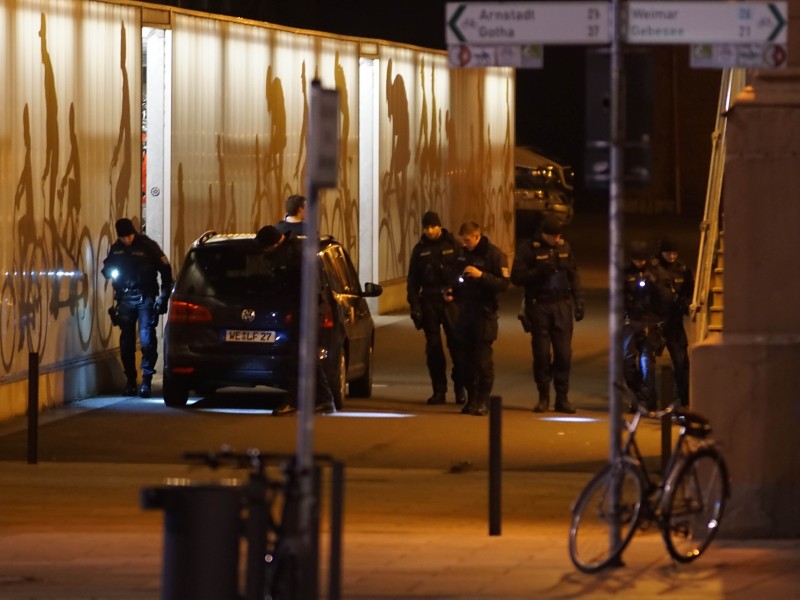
<point x="33" y="408"/>
<point x="201" y="540"/>
<point x="666" y="420"/>
<point x="495" y="463"/>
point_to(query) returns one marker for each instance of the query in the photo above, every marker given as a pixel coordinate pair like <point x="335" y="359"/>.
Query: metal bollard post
<point x="495" y="463"/>
<point x="666" y="420"/>
<point x="33" y="408"/>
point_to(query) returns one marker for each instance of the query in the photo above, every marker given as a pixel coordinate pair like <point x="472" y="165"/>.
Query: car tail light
<point x="182" y="370"/>
<point x="326" y="321"/>
<point x="186" y="312"/>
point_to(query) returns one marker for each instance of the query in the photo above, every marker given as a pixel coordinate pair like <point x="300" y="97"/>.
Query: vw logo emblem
<point x="248" y="314"/>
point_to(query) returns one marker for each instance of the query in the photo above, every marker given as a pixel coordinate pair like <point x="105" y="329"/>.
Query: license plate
<point x="243" y="335"/>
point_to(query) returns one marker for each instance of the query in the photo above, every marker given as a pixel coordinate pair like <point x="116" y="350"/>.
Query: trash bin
<point x="202" y="524"/>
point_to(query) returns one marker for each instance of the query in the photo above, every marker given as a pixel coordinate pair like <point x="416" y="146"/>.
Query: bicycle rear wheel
<point x="605" y="516"/>
<point x="694" y="500"/>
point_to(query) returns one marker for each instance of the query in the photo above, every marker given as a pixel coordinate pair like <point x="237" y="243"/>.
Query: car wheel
<point x="175" y="394"/>
<point x="362" y="387"/>
<point x="339" y="382"/>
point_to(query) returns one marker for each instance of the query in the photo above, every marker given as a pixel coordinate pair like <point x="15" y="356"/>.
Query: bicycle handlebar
<point x="251" y="459"/>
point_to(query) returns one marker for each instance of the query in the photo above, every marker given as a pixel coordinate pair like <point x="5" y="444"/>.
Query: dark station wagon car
<point x="234" y="318"/>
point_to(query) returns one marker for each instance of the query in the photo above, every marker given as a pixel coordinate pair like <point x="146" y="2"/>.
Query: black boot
<point x="461" y="396"/>
<point x="144" y="389"/>
<point x="130" y="388"/>
<point x="544" y="402"/>
<point x="437" y="398"/>
<point x="563" y="405"/>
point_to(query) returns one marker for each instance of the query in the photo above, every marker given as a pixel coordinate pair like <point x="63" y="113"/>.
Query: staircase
<point x="707" y="303"/>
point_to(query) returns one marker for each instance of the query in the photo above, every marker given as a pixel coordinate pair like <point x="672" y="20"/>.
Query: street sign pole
<point x="615" y="225"/>
<point x="322" y="161"/>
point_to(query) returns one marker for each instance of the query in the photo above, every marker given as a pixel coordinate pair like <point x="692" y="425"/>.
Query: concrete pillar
<point x="747" y="380"/>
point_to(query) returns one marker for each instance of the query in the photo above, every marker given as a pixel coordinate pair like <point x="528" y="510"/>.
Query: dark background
<point x="554" y="104"/>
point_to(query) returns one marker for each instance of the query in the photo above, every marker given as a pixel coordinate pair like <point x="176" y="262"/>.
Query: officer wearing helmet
<point x="133" y="265"/>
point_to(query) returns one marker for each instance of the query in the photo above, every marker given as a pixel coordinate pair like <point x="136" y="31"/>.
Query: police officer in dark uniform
<point x="432" y="273"/>
<point x="133" y="264"/>
<point x="642" y="337"/>
<point x="484" y="275"/>
<point x="546" y="268"/>
<point x="678" y="282"/>
<point x="285" y="252"/>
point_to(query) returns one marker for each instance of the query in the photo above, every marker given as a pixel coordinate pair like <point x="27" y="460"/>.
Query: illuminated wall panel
<point x="69" y="124"/>
<point x="240" y="124"/>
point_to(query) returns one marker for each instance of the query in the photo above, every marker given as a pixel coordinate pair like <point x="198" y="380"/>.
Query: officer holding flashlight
<point x="133" y="265"/>
<point x="484" y="276"/>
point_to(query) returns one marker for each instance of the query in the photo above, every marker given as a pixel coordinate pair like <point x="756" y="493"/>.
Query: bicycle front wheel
<point x="694" y="499"/>
<point x="605" y="516"/>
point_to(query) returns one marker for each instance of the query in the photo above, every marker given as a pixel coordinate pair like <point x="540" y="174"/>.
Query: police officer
<point x="678" y="282"/>
<point x="432" y="272"/>
<point x="133" y="264"/>
<point x="285" y="252"/>
<point x="642" y="340"/>
<point x="546" y="268"/>
<point x="484" y="275"/>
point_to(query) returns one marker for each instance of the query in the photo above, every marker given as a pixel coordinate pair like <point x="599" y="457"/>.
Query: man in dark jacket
<point x="676" y="278"/>
<point x="642" y="337"/>
<point x="484" y="275"/>
<point x="133" y="265"/>
<point x="286" y="253"/>
<point x="432" y="272"/>
<point x="295" y="215"/>
<point x="545" y="267"/>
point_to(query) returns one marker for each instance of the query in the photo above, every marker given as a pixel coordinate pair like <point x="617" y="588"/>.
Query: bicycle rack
<point x="204" y="524"/>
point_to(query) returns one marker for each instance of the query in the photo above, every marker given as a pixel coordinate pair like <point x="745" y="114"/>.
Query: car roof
<point x="211" y="237"/>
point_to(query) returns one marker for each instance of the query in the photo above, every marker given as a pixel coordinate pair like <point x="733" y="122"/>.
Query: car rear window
<point x="238" y="271"/>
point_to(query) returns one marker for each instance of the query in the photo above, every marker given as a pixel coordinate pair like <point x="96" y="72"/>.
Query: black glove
<point x="161" y="304"/>
<point x="416" y="316"/>
<point x="579" y="311"/>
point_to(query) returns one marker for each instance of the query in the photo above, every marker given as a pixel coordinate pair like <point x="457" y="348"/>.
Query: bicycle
<point x="272" y="561"/>
<point x="687" y="504"/>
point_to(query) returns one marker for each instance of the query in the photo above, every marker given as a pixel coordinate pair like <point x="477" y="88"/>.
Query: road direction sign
<point x="521" y="23"/>
<point x="706" y="22"/>
<point x="745" y="56"/>
<point x="522" y="57"/>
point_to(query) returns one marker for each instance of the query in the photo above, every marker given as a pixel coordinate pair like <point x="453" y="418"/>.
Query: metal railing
<point x="733" y="82"/>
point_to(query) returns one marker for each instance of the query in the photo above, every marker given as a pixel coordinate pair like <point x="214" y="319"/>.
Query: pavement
<point x="77" y="531"/>
<point x="71" y="529"/>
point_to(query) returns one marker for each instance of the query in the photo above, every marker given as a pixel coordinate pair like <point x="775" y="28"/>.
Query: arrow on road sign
<point x="454" y="20"/>
<point x="779" y="26"/>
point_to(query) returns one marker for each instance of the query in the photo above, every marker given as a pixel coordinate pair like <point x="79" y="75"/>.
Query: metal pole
<point x="33" y="408"/>
<point x="666" y="420"/>
<point x="495" y="463"/>
<point x="615" y="224"/>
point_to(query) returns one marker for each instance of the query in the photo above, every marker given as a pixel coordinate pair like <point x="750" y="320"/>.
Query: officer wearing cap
<point x="642" y="337"/>
<point x="546" y="268"/>
<point x="432" y="272"/>
<point x="678" y="284"/>
<point x="133" y="265"/>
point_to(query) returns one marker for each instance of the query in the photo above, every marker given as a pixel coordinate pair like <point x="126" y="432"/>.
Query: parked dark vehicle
<point x="234" y="317"/>
<point x="542" y="188"/>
